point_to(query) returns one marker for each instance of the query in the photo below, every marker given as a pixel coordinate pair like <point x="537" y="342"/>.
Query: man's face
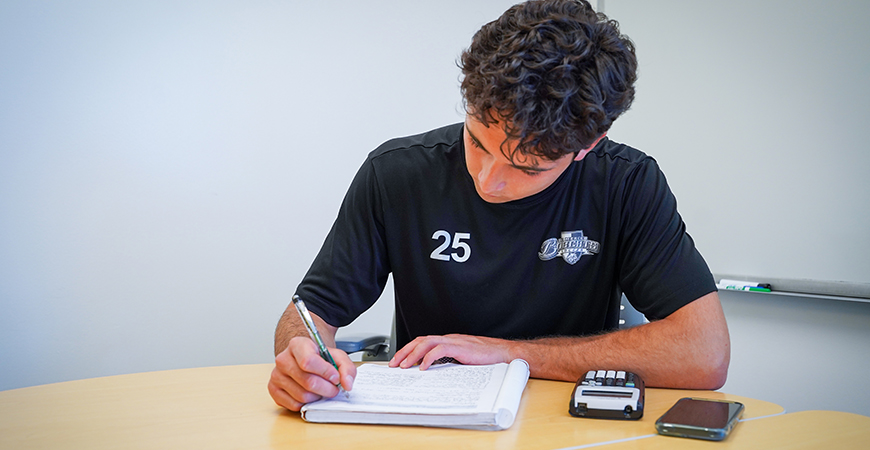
<point x="497" y="179"/>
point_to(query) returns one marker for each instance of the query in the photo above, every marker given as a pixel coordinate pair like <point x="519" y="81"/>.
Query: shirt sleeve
<point x="661" y="270"/>
<point x="351" y="269"/>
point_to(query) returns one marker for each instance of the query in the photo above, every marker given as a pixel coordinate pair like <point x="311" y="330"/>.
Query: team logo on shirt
<point x="571" y="246"/>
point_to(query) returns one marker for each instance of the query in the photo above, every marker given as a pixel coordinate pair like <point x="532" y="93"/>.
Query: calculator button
<point x="609" y="378"/>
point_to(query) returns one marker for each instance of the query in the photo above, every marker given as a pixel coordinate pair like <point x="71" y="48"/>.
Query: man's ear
<point x="582" y="153"/>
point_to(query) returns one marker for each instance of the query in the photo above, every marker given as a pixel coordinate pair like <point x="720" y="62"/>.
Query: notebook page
<point x="441" y="389"/>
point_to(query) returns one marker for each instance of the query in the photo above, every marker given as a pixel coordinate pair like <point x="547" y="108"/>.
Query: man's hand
<point x="465" y="349"/>
<point x="301" y="376"/>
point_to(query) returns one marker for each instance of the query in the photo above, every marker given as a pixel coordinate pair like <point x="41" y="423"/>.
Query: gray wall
<point x="168" y="170"/>
<point x="800" y="353"/>
<point x="757" y="111"/>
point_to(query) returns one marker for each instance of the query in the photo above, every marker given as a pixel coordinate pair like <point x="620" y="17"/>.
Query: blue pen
<point x="315" y="336"/>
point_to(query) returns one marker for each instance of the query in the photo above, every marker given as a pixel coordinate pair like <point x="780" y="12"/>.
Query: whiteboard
<point x="757" y="113"/>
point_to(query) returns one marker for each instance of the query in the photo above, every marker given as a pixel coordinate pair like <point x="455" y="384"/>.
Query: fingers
<point x="346" y="368"/>
<point x="288" y="393"/>
<point x="427" y="349"/>
<point x="413" y="353"/>
<point x="302" y="376"/>
<point x="466" y="349"/>
<point x="437" y="352"/>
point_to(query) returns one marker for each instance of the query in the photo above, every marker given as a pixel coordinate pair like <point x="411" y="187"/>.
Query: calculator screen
<point x="594" y="393"/>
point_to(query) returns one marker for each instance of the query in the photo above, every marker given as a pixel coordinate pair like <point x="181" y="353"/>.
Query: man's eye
<point x="531" y="173"/>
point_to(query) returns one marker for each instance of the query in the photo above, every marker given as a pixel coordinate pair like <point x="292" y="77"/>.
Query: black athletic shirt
<point x="543" y="265"/>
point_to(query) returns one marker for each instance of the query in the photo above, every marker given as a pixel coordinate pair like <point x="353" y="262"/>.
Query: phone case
<point x="700" y="418"/>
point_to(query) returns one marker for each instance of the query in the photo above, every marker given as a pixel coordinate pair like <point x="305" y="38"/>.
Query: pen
<point x="315" y="336"/>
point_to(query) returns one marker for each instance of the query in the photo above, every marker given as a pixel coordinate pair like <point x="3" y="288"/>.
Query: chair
<point x="628" y="316"/>
<point x="374" y="348"/>
<point x="382" y="348"/>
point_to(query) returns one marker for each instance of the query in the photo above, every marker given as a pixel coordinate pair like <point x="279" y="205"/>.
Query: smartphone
<point x="700" y="418"/>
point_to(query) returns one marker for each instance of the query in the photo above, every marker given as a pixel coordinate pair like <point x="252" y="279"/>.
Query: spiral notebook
<point x="483" y="397"/>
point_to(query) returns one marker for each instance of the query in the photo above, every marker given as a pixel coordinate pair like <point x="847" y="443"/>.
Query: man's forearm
<point x="290" y="325"/>
<point x="665" y="353"/>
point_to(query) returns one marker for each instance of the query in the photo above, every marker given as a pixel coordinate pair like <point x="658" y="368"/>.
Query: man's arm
<point x="290" y="325"/>
<point x="301" y="375"/>
<point x="689" y="349"/>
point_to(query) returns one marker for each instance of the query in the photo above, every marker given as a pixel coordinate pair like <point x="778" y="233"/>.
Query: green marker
<point x="747" y="288"/>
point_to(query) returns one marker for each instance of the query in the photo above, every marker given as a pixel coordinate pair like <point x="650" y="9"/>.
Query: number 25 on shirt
<point x="461" y="250"/>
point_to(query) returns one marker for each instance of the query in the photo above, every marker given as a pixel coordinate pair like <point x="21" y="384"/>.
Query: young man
<point x="511" y="235"/>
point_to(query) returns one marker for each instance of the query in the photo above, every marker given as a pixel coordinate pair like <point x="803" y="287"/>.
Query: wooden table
<point x="829" y="430"/>
<point x="229" y="407"/>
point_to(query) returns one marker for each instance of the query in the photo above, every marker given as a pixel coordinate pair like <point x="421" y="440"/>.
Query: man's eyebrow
<point x="516" y="166"/>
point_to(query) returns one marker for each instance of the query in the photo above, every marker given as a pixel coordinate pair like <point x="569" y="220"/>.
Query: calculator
<point x="608" y="394"/>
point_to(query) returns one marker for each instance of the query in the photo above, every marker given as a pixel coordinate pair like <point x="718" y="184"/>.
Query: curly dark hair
<point x="554" y="72"/>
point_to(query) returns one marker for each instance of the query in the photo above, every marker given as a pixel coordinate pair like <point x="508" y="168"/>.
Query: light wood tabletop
<point x="831" y="430"/>
<point x="229" y="407"/>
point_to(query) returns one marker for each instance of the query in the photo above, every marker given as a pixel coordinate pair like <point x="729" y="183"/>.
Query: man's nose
<point x="489" y="178"/>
